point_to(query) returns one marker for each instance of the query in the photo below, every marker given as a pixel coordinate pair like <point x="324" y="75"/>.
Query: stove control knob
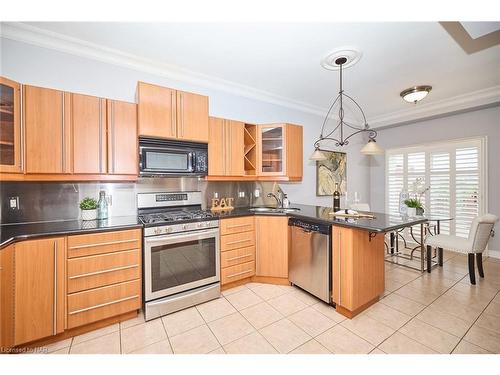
<point x="185" y="226"/>
<point x="157" y="230"/>
<point x="168" y="229"/>
<point x="200" y="225"/>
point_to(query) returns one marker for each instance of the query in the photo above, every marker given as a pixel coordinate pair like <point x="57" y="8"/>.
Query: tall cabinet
<point x="10" y="127"/>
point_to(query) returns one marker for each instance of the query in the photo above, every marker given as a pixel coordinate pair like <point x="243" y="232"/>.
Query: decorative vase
<point x="89" y="214"/>
<point x="412" y="211"/>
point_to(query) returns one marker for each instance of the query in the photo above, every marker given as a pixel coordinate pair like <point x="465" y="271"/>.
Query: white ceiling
<point x="283" y="59"/>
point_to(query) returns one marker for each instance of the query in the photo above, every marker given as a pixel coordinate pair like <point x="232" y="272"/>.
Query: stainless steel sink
<point x="274" y="209"/>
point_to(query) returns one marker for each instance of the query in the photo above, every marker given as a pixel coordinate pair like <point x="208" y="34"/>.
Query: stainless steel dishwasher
<point x="309" y="264"/>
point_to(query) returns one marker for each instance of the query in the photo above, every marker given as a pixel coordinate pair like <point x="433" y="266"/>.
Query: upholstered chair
<point x="479" y="234"/>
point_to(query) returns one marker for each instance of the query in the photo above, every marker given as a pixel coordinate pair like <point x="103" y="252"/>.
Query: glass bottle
<point x="336" y="198"/>
<point x="102" y="206"/>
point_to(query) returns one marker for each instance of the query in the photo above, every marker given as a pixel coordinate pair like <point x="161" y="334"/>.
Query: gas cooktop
<point x="159" y="218"/>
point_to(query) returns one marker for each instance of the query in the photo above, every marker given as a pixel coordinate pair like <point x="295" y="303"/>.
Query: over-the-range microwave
<point x="163" y="158"/>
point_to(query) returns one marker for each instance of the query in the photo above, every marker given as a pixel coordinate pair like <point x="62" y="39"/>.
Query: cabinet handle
<point x="102" y="244"/>
<point x="238" y="225"/>
<point x="21" y="112"/>
<point x="100" y="136"/>
<point x="240" y="257"/>
<point x="103" y="271"/>
<point x="223" y="142"/>
<point x="54" y="330"/>
<point x="239" y="273"/>
<point x="173" y="117"/>
<point x="182" y="116"/>
<point x="340" y="268"/>
<point x="103" y="305"/>
<point x="63" y="151"/>
<point x="239" y="241"/>
<point x="113" y="149"/>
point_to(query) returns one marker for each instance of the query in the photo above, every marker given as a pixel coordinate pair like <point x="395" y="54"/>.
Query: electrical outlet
<point x="256" y="193"/>
<point x="241" y="194"/>
<point x="14" y="203"/>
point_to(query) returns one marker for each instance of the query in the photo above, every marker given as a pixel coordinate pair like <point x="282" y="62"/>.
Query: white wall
<point x="48" y="68"/>
<point x="485" y="122"/>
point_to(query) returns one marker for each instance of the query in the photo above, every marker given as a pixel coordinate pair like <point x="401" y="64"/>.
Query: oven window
<point x="167" y="161"/>
<point x="181" y="263"/>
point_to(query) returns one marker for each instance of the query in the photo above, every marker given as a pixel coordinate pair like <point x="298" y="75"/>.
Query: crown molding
<point x="21" y="32"/>
<point x="422" y="111"/>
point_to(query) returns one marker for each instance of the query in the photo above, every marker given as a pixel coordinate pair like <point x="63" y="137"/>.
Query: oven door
<point x="178" y="262"/>
<point x="158" y="161"/>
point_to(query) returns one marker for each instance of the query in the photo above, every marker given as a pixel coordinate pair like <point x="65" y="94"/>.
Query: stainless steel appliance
<point x="159" y="157"/>
<point x="309" y="265"/>
<point x="181" y="252"/>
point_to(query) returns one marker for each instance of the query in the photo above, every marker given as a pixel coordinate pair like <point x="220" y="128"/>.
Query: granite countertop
<point x="10" y="233"/>
<point x="381" y="223"/>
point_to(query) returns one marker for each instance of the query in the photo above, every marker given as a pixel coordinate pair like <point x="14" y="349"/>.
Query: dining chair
<point x="479" y="234"/>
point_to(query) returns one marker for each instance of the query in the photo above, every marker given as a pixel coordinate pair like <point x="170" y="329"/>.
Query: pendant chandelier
<point x="339" y="135"/>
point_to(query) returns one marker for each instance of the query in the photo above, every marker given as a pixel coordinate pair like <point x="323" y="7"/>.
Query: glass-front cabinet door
<point x="272" y="153"/>
<point x="10" y="126"/>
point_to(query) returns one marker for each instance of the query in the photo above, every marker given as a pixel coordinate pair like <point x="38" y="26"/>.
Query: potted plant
<point x="88" y="206"/>
<point x="414" y="206"/>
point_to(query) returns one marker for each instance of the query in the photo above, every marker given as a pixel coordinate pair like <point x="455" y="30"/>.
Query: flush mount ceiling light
<point x="415" y="94"/>
<point x="340" y="139"/>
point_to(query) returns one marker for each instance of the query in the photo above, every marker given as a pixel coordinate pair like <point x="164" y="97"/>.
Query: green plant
<point x="413" y="203"/>
<point x="88" y="204"/>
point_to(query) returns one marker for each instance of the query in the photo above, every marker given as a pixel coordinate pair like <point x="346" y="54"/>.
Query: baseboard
<point x="494" y="254"/>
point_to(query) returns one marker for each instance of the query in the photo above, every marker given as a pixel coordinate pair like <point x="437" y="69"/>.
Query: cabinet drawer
<point x="103" y="269"/>
<point x="100" y="243"/>
<point x="238" y="272"/>
<point x="238" y="256"/>
<point x="237" y="225"/>
<point x="101" y="303"/>
<point x="237" y="240"/>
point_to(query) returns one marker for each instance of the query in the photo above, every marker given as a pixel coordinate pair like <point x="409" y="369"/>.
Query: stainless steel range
<point x="181" y="252"/>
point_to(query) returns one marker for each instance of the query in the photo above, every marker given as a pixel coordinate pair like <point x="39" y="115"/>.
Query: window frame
<point x="443" y="146"/>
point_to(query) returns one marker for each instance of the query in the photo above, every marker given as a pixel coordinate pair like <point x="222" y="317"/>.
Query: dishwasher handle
<point x="309" y="226"/>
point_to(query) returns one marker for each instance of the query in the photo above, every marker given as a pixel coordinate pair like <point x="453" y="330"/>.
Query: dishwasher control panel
<point x="309" y="226"/>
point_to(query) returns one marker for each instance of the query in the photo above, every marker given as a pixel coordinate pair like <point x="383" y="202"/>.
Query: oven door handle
<point x="173" y="238"/>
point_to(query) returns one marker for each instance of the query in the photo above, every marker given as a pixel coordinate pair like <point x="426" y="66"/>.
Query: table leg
<point x="392" y="242"/>
<point x="439" y="249"/>
<point x="422" y="251"/>
<point x="429" y="255"/>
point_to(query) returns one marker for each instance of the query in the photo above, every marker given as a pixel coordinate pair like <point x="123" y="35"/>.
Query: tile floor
<point x="430" y="313"/>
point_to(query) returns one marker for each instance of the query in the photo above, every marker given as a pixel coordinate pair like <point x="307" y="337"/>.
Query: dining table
<point x="430" y="227"/>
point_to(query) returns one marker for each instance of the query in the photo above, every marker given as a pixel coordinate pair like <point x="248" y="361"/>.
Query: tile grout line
<point x="210" y="329"/>
<point x="168" y="337"/>
<point x="482" y="312"/>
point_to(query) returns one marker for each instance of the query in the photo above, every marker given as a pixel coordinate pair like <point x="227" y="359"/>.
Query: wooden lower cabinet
<point x="357" y="269"/>
<point x="237" y="259"/>
<point x="52" y="285"/>
<point x="271" y="246"/>
<point x="39" y="289"/>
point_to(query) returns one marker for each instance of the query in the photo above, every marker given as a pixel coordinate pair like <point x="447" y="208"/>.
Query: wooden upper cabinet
<point x="47" y="134"/>
<point x="157" y="111"/>
<point x="294" y="152"/>
<point x="88" y="122"/>
<point x="10" y="127"/>
<point x="122" y="138"/>
<point x="39" y="289"/>
<point x="192" y="117"/>
<point x="216" y="144"/>
<point x="271" y="244"/>
<point x="225" y="147"/>
<point x="235" y="152"/>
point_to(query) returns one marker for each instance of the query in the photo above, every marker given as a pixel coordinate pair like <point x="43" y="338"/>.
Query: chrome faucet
<point x="278" y="200"/>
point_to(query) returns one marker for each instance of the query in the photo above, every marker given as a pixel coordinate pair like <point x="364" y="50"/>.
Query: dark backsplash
<point x="59" y="201"/>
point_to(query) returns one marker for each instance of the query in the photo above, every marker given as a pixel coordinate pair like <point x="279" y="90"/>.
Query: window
<point x="454" y="171"/>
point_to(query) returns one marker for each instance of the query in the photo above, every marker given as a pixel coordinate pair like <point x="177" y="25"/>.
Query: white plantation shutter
<point x="454" y="173"/>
